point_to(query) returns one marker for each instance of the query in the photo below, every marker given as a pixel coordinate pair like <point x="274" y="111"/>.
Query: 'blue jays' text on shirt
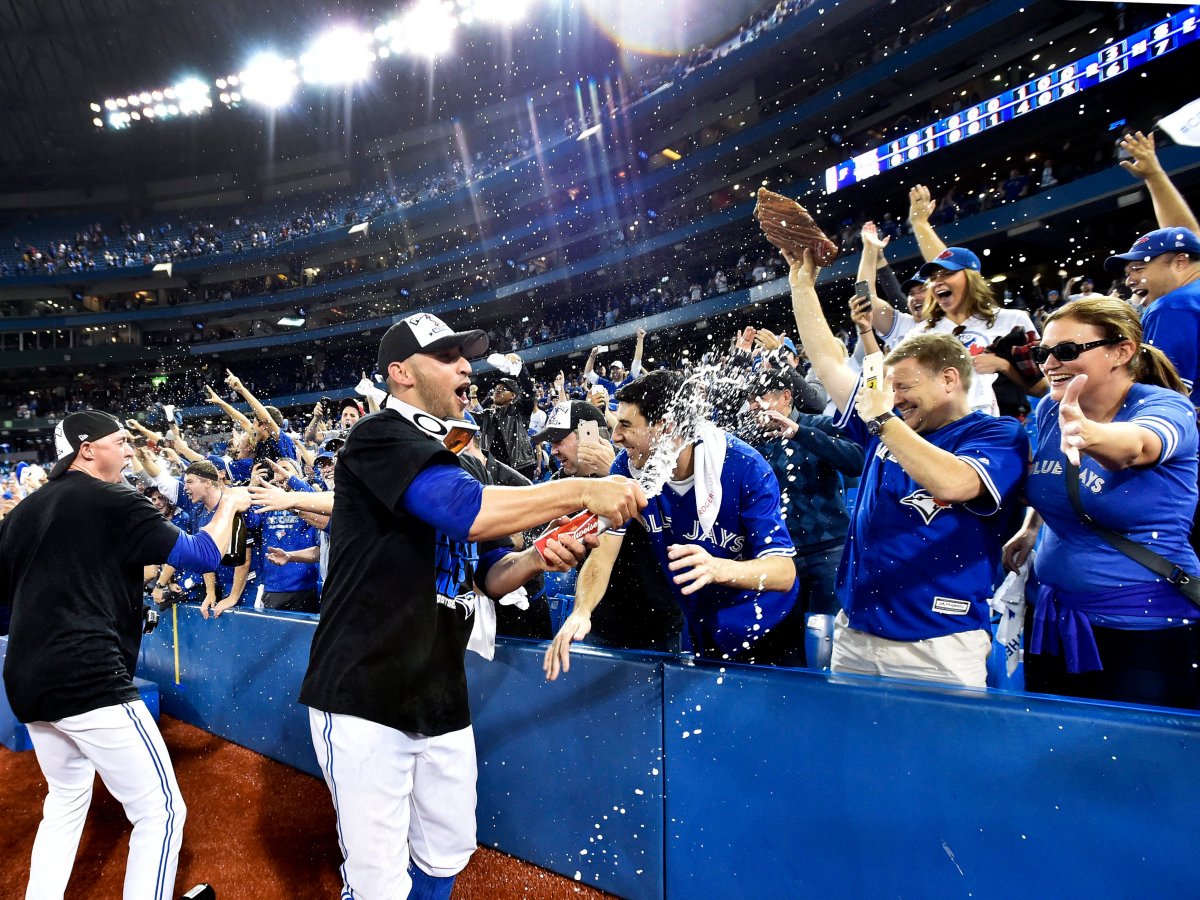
<point x="748" y="526"/>
<point x="914" y="566"/>
<point x="1172" y="324"/>
<point x="1152" y="505"/>
<point x="287" y="531"/>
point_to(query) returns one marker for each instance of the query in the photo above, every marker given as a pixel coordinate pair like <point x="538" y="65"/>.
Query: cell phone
<point x="589" y="431"/>
<point x="862" y="289"/>
<point x="873" y="370"/>
<point x="140" y="440"/>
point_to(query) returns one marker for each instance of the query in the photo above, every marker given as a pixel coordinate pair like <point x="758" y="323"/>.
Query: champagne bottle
<point x="235" y="554"/>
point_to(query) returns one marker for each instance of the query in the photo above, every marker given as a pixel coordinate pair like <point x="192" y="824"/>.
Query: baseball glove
<point x="789" y="227"/>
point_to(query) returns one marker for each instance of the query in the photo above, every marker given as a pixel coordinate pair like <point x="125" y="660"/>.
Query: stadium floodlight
<point x="339" y="56"/>
<point x="269" y="80"/>
<point x="427" y="29"/>
<point x="191" y="95"/>
<point x="506" y="12"/>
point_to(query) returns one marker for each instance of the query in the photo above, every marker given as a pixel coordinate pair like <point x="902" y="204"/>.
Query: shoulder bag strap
<point x="1159" y="565"/>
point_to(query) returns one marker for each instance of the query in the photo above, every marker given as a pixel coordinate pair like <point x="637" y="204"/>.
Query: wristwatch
<point x="875" y="425"/>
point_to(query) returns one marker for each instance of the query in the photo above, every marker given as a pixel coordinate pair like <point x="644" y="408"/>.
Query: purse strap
<point x="1159" y="565"/>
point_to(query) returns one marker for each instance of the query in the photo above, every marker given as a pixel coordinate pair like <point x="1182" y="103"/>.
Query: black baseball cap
<point x="426" y="333"/>
<point x="766" y="380"/>
<point x="77" y="429"/>
<point x="565" y="418"/>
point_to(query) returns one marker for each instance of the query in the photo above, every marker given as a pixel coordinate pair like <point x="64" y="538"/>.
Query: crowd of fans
<point x="1111" y="409"/>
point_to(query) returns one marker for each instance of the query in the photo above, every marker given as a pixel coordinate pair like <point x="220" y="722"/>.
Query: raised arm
<point x="260" y="411"/>
<point x="635" y="367"/>
<point x="1170" y="209"/>
<point x="824" y="350"/>
<point x="920" y="208"/>
<point x="238" y="418"/>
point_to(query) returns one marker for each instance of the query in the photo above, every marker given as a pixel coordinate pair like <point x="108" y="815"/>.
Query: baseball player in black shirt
<point x="386" y="682"/>
<point x="72" y="560"/>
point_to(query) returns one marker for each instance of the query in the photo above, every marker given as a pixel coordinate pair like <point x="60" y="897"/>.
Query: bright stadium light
<point x="269" y="80"/>
<point x="505" y="12"/>
<point x="340" y="56"/>
<point x="427" y="29"/>
<point x="191" y="94"/>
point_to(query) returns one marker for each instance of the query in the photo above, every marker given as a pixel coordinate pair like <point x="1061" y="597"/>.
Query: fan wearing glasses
<point x="1102" y="625"/>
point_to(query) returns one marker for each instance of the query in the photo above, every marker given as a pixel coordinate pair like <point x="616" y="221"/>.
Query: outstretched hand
<point x="1144" y="163"/>
<point x="920" y="204"/>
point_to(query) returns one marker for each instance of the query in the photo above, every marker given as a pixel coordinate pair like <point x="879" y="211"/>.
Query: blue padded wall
<point x="239" y="678"/>
<point x="761" y="783"/>
<point x="802" y="785"/>
<point x="570" y="772"/>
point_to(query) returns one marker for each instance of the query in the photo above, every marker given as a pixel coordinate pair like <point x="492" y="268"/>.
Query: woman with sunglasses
<point x="1100" y="624"/>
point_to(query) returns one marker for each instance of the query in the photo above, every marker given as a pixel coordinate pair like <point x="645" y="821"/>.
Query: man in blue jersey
<point x="718" y="534"/>
<point x="1163" y="271"/>
<point x="288" y="583"/>
<point x="223" y="587"/>
<point x="934" y="502"/>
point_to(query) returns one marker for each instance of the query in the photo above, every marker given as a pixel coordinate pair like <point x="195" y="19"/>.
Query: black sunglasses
<point x="1067" y="350"/>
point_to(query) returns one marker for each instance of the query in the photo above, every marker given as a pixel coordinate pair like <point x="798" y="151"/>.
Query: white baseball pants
<point x="121" y="743"/>
<point x="396" y="793"/>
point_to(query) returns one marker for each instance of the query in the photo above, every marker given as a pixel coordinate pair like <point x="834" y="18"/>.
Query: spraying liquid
<point x="691" y="406"/>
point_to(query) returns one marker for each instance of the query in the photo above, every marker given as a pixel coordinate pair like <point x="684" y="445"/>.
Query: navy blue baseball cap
<point x="915" y="281"/>
<point x="952" y="259"/>
<point x="1155" y="243"/>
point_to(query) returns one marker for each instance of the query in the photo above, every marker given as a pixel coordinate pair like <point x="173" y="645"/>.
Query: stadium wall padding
<point x="687" y="779"/>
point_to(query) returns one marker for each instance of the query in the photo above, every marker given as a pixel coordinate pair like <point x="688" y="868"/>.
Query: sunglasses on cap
<point x="1068" y="350"/>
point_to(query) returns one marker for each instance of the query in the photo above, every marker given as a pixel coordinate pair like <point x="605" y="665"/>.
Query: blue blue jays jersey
<point x="1172" y="324"/>
<point x="914" y="566"/>
<point x="287" y="531"/>
<point x="749" y="525"/>
<point x="1153" y="505"/>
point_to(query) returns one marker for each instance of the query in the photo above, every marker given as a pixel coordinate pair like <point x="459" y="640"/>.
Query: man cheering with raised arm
<point x="386" y="682"/>
<point x="936" y="495"/>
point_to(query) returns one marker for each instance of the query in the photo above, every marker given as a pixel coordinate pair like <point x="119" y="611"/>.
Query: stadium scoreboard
<point x="1107" y="63"/>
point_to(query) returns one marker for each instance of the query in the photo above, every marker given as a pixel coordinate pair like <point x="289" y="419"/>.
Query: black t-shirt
<point x="397" y="606"/>
<point x="71" y="562"/>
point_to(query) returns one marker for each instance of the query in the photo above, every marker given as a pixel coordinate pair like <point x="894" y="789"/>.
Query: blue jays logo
<point x="926" y="504"/>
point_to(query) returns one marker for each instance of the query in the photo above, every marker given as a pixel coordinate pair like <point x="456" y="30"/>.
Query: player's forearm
<point x="507" y="510"/>
<point x="931" y="245"/>
<point x="511" y="571"/>
<point x="220" y="527"/>
<point x="941" y="473"/>
<point x="1170" y="209"/>
<point x="767" y="573"/>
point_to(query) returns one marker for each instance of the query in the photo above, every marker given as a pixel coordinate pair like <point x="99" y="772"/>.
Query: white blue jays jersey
<point x="914" y="566"/>
<point x="749" y="525"/>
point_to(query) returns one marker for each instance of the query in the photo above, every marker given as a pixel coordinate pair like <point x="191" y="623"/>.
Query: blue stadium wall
<point x="652" y="777"/>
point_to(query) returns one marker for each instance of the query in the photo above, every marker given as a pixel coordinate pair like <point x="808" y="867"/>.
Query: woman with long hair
<point x="1102" y="625"/>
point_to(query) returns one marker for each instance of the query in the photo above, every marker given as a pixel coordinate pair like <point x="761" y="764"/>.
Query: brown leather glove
<point x="789" y="227"/>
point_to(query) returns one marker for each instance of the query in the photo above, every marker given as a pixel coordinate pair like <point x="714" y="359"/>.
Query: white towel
<point x="483" y="631"/>
<point x="1009" y="602"/>
<point x="709" y="456"/>
<point x="365" y="388"/>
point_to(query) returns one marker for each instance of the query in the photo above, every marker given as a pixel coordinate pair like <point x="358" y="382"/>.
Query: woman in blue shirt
<point x="1102" y="625"/>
